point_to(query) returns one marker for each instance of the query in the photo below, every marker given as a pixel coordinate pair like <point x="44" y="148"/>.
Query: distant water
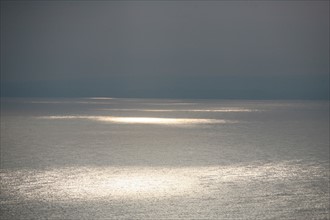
<point x="104" y="158"/>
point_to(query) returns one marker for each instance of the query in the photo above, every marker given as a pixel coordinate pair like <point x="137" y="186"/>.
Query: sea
<point x="116" y="158"/>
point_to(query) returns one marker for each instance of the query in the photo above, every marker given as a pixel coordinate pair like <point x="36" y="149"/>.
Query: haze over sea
<point x="113" y="158"/>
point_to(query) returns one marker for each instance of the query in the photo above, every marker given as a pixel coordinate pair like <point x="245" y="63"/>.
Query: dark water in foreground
<point x="164" y="159"/>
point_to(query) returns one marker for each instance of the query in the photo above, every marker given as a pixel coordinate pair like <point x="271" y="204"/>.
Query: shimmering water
<point x="105" y="158"/>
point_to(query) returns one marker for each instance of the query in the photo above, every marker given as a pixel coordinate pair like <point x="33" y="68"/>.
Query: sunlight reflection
<point x="183" y="110"/>
<point x="144" y="120"/>
<point x="100" y="98"/>
<point x="104" y="183"/>
<point x="89" y="183"/>
<point x="143" y="184"/>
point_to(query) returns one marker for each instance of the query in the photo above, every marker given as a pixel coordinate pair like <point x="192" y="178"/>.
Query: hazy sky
<point x="174" y="49"/>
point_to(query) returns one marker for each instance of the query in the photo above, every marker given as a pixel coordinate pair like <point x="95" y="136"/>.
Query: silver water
<point x="164" y="159"/>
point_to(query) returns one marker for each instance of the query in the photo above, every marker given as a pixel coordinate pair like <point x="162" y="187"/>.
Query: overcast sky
<point x="166" y="49"/>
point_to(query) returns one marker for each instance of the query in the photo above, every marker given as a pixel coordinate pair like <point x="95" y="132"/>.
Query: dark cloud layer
<point x="175" y="49"/>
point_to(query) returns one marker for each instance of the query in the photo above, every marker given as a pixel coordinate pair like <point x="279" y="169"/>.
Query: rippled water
<point x="151" y="159"/>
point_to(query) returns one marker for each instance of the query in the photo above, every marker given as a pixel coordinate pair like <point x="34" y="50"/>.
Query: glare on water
<point x="98" y="183"/>
<point x="109" y="159"/>
<point x="143" y="120"/>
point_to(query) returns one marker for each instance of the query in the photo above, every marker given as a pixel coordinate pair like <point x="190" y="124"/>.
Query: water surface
<point x="150" y="159"/>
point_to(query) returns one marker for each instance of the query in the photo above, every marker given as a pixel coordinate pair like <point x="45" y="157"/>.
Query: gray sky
<point x="173" y="49"/>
